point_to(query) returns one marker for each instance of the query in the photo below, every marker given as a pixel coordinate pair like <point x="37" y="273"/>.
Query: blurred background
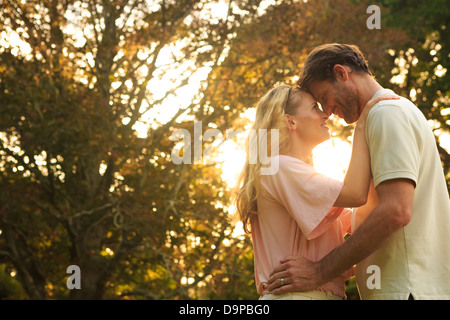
<point x="91" y="92"/>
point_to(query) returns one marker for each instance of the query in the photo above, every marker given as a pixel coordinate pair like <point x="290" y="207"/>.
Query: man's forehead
<point x="318" y="88"/>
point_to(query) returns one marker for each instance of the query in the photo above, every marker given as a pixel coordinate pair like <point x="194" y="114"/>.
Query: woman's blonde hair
<point x="270" y="114"/>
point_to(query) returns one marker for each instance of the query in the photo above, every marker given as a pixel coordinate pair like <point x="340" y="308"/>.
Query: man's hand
<point x="392" y="213"/>
<point x="298" y="274"/>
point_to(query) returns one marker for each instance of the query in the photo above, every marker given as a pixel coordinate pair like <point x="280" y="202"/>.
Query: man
<point x="406" y="237"/>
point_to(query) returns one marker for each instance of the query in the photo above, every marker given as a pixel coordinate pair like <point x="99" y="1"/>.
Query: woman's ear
<point x="290" y="122"/>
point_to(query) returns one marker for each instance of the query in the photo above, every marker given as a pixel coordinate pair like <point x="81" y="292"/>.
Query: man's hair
<point x="320" y="62"/>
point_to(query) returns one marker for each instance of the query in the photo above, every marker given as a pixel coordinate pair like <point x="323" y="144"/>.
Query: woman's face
<point x="309" y="121"/>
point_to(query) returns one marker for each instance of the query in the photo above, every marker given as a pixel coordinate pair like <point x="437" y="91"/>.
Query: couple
<point x="298" y="217"/>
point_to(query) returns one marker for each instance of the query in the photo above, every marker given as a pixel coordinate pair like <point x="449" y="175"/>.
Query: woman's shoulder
<point x="289" y="162"/>
<point x="290" y="166"/>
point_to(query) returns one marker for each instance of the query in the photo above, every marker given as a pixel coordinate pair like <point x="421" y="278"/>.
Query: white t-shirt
<point x="416" y="259"/>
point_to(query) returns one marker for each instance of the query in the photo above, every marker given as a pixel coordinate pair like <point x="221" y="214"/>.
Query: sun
<point x="330" y="158"/>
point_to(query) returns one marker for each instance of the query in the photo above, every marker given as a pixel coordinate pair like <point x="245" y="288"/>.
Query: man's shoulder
<point x="394" y="110"/>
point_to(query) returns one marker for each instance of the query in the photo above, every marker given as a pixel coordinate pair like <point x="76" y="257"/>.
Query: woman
<point x="297" y="211"/>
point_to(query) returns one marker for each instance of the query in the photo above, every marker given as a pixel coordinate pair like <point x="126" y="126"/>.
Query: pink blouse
<point x="296" y="217"/>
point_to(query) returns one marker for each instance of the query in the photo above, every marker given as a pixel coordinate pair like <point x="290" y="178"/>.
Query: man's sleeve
<point x="393" y="144"/>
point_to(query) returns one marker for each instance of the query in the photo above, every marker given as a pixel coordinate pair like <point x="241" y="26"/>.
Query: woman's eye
<point x="318" y="106"/>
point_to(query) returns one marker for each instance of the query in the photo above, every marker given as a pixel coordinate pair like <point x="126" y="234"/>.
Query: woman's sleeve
<point x="346" y="221"/>
<point x="307" y="195"/>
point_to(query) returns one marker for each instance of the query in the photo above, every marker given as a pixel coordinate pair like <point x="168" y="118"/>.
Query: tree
<point x="82" y="187"/>
<point x="423" y="62"/>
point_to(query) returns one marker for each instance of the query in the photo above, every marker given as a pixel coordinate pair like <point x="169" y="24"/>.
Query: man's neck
<point x="367" y="87"/>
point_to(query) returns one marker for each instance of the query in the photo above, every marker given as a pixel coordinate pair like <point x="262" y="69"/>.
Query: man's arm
<point x="392" y="213"/>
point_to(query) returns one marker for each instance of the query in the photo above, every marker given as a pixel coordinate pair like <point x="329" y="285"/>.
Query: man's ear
<point x="341" y="71"/>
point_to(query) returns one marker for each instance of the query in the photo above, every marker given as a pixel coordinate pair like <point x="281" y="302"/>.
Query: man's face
<point x="337" y="98"/>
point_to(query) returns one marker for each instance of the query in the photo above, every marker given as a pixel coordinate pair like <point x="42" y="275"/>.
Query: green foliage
<point x="9" y="287"/>
<point x="80" y="185"/>
<point x="426" y="57"/>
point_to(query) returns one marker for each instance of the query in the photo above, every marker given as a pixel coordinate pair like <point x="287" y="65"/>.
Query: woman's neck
<point x="300" y="151"/>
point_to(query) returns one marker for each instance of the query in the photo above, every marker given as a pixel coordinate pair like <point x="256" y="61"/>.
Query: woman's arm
<point x="363" y="212"/>
<point x="357" y="178"/>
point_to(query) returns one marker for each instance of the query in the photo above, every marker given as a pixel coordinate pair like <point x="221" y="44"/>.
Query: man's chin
<point x="350" y="120"/>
